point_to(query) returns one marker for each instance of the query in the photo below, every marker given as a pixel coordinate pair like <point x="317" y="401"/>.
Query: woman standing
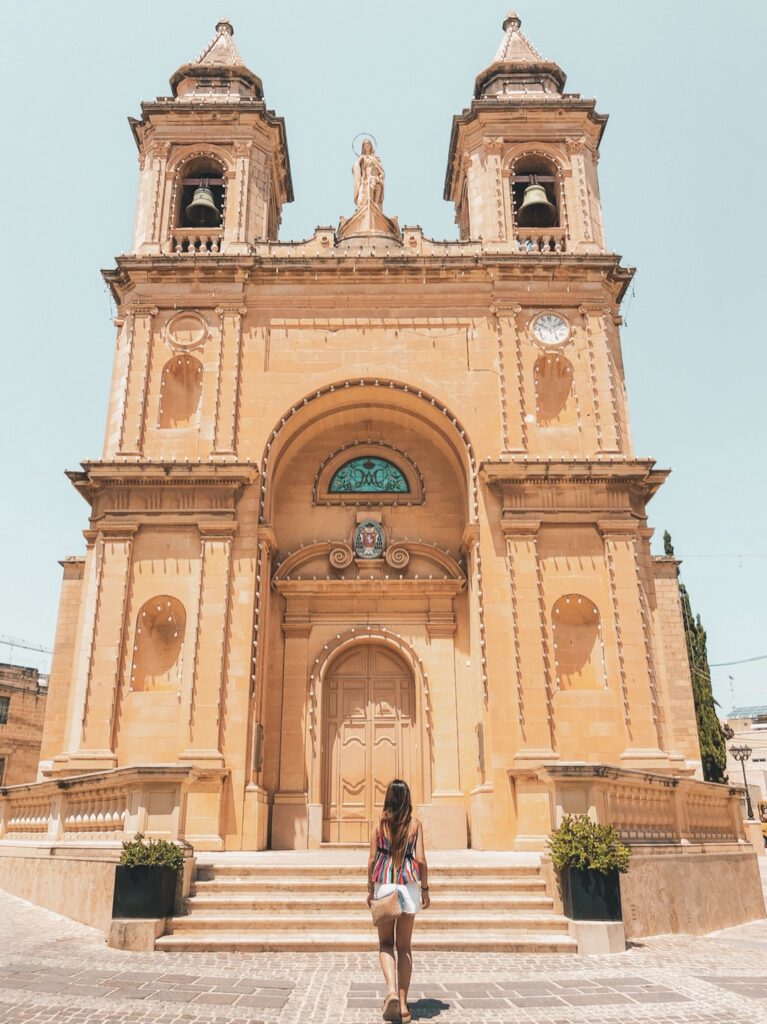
<point x="397" y="862"/>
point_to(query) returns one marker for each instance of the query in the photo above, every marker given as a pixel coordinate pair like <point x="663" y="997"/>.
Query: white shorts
<point x="410" y="895"/>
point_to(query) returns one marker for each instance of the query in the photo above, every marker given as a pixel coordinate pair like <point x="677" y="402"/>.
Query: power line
<point x="743" y="661"/>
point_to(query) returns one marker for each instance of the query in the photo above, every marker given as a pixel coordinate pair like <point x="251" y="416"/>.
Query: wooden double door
<point x="369" y="738"/>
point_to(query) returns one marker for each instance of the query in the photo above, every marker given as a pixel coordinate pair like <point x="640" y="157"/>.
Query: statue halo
<point x="363" y="136"/>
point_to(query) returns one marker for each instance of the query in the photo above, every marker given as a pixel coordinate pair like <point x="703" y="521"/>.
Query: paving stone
<point x="217" y="998"/>
<point x="532" y="1001"/>
<point x="262" y="1002"/>
<point x="595" y="999"/>
<point x="69" y="976"/>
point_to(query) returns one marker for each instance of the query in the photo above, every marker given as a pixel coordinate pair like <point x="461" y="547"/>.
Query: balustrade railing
<point x="195" y="242"/>
<point x="539" y="240"/>
<point x="643" y="807"/>
<point x="101" y="807"/>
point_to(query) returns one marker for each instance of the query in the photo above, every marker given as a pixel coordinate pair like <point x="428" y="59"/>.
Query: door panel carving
<point x="368" y="739"/>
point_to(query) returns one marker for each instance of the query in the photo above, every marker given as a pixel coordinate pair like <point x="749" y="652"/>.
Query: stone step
<point x="288" y="902"/>
<point x="356" y="921"/>
<point x="206" y="872"/>
<point x="289" y="883"/>
<point x="276" y="941"/>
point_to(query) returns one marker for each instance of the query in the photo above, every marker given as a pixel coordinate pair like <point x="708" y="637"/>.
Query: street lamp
<point x="742" y="754"/>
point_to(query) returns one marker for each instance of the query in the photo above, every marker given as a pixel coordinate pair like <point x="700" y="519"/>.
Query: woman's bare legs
<point x="386" y="955"/>
<point x="405" y="924"/>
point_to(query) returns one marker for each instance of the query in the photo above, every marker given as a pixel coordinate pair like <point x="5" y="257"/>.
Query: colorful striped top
<point x="384" y="871"/>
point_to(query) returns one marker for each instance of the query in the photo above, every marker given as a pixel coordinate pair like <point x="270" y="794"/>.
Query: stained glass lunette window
<point x="369" y="475"/>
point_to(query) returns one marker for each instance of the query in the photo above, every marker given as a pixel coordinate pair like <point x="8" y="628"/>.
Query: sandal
<point x="406" y="1017"/>
<point x="390" y="1008"/>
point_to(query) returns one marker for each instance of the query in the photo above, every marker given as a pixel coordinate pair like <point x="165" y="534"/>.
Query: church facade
<point x="368" y="504"/>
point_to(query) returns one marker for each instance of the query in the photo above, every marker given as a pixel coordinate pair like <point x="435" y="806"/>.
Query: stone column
<point x="136" y="381"/>
<point x="635" y="657"/>
<point x="210" y="655"/>
<point x="291" y="825"/>
<point x="107" y="648"/>
<point x="532" y="672"/>
<point x="228" y="385"/>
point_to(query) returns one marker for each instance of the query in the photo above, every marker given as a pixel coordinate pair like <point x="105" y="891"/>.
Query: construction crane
<point x="13" y="641"/>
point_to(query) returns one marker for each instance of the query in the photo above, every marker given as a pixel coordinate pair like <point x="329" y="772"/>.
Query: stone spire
<point x="217" y="73"/>
<point x="515" y="46"/>
<point x="518" y="71"/>
<point x="221" y="48"/>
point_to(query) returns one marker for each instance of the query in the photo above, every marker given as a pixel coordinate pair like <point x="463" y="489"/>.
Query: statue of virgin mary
<point x="368" y="177"/>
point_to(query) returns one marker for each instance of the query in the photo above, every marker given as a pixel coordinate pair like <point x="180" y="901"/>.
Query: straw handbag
<point x="387" y="908"/>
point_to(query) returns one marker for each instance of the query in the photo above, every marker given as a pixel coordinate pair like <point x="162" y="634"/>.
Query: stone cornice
<point x="639" y="472"/>
<point x="143" y="473"/>
<point x="456" y="265"/>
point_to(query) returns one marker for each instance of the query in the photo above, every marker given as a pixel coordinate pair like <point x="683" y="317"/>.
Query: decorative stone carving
<point x="397" y="556"/>
<point x="186" y="330"/>
<point x="369" y="540"/>
<point x="341" y="557"/>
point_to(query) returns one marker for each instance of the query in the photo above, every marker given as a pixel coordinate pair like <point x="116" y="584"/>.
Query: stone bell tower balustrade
<point x="194" y="241"/>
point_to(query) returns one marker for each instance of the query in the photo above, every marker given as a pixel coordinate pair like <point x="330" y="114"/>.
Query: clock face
<point x="550" y="329"/>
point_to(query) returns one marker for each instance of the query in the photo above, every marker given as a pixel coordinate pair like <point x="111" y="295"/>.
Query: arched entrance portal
<point x="369" y="737"/>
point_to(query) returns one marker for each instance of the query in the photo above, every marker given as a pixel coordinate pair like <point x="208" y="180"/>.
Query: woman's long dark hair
<point x="396" y="817"/>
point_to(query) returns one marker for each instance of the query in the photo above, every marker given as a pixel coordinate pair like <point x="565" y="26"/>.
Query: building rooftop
<point x="754" y="711"/>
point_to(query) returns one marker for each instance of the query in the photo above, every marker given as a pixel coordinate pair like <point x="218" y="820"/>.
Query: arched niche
<point x="371" y="412"/>
<point x="158" y="645"/>
<point x="553" y="382"/>
<point x="578" y="649"/>
<point x="180" y="392"/>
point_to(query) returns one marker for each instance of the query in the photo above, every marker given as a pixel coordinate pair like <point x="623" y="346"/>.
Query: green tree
<point x="713" y="752"/>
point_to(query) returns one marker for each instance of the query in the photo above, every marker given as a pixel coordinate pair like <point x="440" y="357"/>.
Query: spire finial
<point x="512" y="20"/>
<point x="224" y="27"/>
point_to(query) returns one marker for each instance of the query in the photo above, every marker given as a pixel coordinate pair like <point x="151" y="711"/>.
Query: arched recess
<point x="578" y="648"/>
<point x="180" y="392"/>
<point x="361" y="395"/>
<point x="554" y="399"/>
<point x="158" y="645"/>
<point x="322" y="667"/>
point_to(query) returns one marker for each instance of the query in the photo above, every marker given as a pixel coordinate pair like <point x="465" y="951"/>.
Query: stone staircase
<point x="299" y="901"/>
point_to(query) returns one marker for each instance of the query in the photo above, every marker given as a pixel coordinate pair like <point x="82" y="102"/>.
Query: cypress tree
<point x="713" y="752"/>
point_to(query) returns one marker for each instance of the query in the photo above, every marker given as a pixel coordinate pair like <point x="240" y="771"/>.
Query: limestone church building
<point x="367" y="504"/>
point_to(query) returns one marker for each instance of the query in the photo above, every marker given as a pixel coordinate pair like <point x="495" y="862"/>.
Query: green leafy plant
<point x="159" y="853"/>
<point x="580" y="843"/>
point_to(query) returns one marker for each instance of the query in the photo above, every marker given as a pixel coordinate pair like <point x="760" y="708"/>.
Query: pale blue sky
<point x="682" y="186"/>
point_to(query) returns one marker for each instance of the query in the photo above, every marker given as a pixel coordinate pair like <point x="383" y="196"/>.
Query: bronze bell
<point x="536" y="211"/>
<point x="202" y="212"/>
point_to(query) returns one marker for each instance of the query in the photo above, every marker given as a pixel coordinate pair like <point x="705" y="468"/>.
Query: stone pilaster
<point x="136" y="381"/>
<point x="635" y="655"/>
<point x="212" y="637"/>
<point x="228" y="384"/>
<point x="532" y="672"/>
<point x="107" y="647"/>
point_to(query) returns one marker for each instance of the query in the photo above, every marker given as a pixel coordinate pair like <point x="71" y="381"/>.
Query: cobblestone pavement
<point x="53" y="971"/>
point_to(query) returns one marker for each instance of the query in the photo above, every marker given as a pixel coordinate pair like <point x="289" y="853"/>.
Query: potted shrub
<point x="589" y="858"/>
<point x="145" y="878"/>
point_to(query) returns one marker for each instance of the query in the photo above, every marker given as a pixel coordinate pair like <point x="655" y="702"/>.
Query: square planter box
<point x="145" y="891"/>
<point x="589" y="895"/>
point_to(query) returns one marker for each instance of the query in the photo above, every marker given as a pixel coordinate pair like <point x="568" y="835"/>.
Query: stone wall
<point x="21" y="734"/>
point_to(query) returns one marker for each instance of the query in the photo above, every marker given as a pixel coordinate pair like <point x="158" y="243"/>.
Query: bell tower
<point x="522" y="161"/>
<point x="214" y="168"/>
